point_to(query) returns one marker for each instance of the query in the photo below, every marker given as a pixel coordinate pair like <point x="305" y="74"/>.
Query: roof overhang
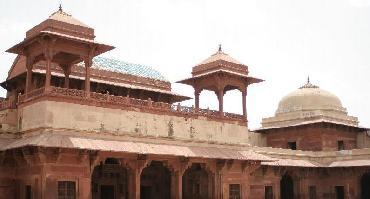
<point x="112" y="145"/>
<point x="19" y="48"/>
<point x="247" y="78"/>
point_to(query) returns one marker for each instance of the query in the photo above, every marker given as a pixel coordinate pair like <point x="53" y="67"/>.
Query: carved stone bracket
<point x="94" y="159"/>
<point x="54" y="154"/>
<point x="220" y="165"/>
<point x="250" y="166"/>
<point x="185" y="163"/>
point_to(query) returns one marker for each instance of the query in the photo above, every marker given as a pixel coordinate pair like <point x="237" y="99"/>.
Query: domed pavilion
<point x="309" y="104"/>
<point x="313" y="119"/>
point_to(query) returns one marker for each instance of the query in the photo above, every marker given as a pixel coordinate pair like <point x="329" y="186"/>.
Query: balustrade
<point x="7" y="104"/>
<point x="120" y="100"/>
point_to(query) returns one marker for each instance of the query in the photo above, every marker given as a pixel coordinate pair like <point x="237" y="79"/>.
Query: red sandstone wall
<point x="311" y="138"/>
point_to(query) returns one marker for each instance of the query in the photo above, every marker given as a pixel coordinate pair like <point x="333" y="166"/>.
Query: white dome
<point x="309" y="97"/>
<point x="309" y="103"/>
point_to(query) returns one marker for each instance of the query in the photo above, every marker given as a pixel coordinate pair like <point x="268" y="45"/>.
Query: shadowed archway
<point x="196" y="183"/>
<point x="155" y="182"/>
<point x="109" y="180"/>
<point x="365" y="186"/>
<point x="286" y="187"/>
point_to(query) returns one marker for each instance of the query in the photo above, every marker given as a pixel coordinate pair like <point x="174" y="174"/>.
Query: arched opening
<point x="365" y="186"/>
<point x="208" y="99"/>
<point x="109" y="180"/>
<point x="233" y="102"/>
<point x="195" y="183"/>
<point x="155" y="182"/>
<point x="286" y="187"/>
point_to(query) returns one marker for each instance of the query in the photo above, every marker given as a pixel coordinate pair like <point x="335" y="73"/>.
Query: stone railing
<point x="32" y="94"/>
<point x="106" y="99"/>
<point x="7" y="104"/>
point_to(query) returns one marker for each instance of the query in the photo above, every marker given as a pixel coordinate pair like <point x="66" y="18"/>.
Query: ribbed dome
<point x="309" y="97"/>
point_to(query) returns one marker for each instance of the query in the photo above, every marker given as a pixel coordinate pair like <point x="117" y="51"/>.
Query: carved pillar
<point x="88" y="63"/>
<point x="176" y="184"/>
<point x="48" y="57"/>
<point x="220" y="96"/>
<point x="29" y="66"/>
<point x="177" y="174"/>
<point x="244" y="102"/>
<point x="67" y="72"/>
<point x="217" y="182"/>
<point x="49" y="53"/>
<point x="134" y="183"/>
<point x="196" y="95"/>
<point x="136" y="167"/>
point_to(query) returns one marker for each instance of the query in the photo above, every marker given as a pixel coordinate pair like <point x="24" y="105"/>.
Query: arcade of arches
<point x="113" y="179"/>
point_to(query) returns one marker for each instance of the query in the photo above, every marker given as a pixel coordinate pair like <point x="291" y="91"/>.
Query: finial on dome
<point x="60" y="11"/>
<point x="219" y="48"/>
<point x="308" y="84"/>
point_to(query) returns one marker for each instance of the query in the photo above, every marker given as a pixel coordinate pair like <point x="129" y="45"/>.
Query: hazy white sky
<point x="282" y="42"/>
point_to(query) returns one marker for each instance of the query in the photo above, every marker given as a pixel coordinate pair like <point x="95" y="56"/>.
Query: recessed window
<point x="269" y="194"/>
<point x="234" y="191"/>
<point x="312" y="192"/>
<point x="340" y="145"/>
<point x="339" y="192"/>
<point x="292" y="145"/>
<point x="66" y="190"/>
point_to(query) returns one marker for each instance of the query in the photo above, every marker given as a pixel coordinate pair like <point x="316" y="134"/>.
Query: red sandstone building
<point x="78" y="125"/>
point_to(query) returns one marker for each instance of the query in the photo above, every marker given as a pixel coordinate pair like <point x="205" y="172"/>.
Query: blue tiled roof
<point x="114" y="65"/>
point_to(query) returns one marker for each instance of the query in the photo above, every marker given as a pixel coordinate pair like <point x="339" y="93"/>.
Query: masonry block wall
<point x="312" y="138"/>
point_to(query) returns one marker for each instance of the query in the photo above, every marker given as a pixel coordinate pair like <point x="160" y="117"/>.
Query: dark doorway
<point x="155" y="182"/>
<point x="28" y="192"/>
<point x="109" y="180"/>
<point x="365" y="186"/>
<point x="286" y="187"/>
<point x="269" y="194"/>
<point x="107" y="192"/>
<point x="312" y="192"/>
<point x="195" y="183"/>
<point x="145" y="192"/>
<point x="339" y="192"/>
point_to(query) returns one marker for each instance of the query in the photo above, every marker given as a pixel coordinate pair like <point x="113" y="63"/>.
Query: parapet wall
<point x="78" y="117"/>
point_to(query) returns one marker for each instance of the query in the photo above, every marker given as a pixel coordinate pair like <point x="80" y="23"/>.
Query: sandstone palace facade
<point x="76" y="125"/>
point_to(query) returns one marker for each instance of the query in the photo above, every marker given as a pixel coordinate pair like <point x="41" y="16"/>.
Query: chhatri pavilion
<point x="77" y="125"/>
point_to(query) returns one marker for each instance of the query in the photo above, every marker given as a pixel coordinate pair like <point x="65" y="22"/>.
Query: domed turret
<point x="309" y="103"/>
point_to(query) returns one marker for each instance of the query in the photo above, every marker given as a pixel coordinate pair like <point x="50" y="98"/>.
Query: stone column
<point x="136" y="167"/>
<point x="176" y="184"/>
<point x="134" y="183"/>
<point x="217" y="175"/>
<point x="48" y="58"/>
<point x="88" y="63"/>
<point x="196" y="95"/>
<point x="244" y="102"/>
<point x="220" y="96"/>
<point x="67" y="72"/>
<point x="29" y="66"/>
